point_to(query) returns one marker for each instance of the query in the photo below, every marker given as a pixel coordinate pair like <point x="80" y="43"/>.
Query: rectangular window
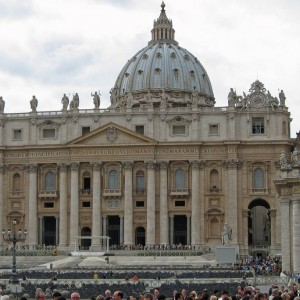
<point x="214" y="129"/>
<point x="17" y="135"/>
<point x="85" y="130"/>
<point x="258" y="126"/>
<point x="178" y="129"/>
<point x="140" y="129"/>
<point x="179" y="203"/>
<point x="86" y="204"/>
<point x="48" y="133"/>
<point x="139" y="203"/>
<point x="49" y="205"/>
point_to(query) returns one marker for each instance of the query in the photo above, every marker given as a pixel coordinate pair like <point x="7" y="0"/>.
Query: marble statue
<point x="2" y="105"/>
<point x="294" y="157"/>
<point x="96" y="99"/>
<point x="226" y="234"/>
<point x="65" y="102"/>
<point x="75" y="102"/>
<point x="33" y="104"/>
<point x="232" y="98"/>
<point x="282" y="98"/>
<point x="282" y="160"/>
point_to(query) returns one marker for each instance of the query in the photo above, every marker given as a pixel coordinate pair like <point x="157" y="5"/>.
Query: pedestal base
<point x="226" y="254"/>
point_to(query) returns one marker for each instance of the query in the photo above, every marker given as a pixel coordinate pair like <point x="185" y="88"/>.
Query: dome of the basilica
<point x="163" y="69"/>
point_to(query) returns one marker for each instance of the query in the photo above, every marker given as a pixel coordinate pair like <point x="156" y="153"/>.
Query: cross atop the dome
<point x="163" y="5"/>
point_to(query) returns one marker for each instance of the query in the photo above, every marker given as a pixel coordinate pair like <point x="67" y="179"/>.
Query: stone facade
<point x="159" y="166"/>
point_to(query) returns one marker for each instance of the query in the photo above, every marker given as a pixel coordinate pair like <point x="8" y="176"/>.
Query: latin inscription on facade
<point x="121" y="151"/>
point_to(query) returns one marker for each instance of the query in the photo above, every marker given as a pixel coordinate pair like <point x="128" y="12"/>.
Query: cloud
<point x="15" y="9"/>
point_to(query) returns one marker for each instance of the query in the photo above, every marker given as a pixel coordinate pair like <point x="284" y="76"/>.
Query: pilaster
<point x="63" y="205"/>
<point x="150" y="233"/>
<point x="32" y="206"/>
<point x="74" y="209"/>
<point x="128" y="205"/>
<point x="96" y="213"/>
<point x="163" y="212"/>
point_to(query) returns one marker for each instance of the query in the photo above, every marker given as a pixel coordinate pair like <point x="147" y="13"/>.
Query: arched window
<point x="140" y="182"/>
<point x="258" y="179"/>
<point x="49" y="181"/>
<point x="113" y="182"/>
<point x="16" y="186"/>
<point x="179" y="179"/>
<point x="214" y="179"/>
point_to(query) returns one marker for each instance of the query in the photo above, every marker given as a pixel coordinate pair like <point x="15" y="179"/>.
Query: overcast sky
<point x="52" y="47"/>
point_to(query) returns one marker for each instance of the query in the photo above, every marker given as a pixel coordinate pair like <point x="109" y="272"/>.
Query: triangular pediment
<point x="112" y="134"/>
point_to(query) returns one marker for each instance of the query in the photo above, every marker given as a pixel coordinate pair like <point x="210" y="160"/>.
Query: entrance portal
<point x="180" y="230"/>
<point x="49" y="236"/>
<point x="86" y="243"/>
<point x="140" y="236"/>
<point x="113" y="229"/>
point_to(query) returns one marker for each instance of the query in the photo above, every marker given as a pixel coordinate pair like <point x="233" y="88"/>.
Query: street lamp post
<point x="14" y="237"/>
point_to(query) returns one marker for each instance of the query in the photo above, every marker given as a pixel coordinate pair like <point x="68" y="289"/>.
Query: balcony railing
<point x="112" y="192"/>
<point x="86" y="192"/>
<point x="48" y="194"/>
<point x="184" y="192"/>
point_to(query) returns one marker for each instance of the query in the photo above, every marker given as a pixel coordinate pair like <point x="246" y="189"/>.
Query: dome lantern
<point x="163" y="28"/>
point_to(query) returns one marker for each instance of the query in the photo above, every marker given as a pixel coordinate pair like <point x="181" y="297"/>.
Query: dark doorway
<point x="49" y="237"/>
<point x="113" y="229"/>
<point x="85" y="243"/>
<point x="259" y="223"/>
<point x="140" y="236"/>
<point x="180" y="230"/>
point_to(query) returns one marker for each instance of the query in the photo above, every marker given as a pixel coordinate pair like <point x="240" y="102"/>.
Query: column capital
<point x="231" y="163"/>
<point x="96" y="166"/>
<point x="163" y="164"/>
<point x="127" y="165"/>
<point x="3" y="168"/>
<point x="195" y="164"/>
<point x="150" y="164"/>
<point x="32" y="168"/>
<point x="74" y="166"/>
<point x="63" y="167"/>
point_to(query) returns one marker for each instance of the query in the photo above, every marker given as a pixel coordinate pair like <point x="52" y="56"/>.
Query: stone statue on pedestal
<point x="226" y="234"/>
<point x="33" y="104"/>
<point x="65" y="102"/>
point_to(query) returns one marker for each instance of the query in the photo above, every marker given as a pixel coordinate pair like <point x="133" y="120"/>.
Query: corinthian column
<point x="74" y="222"/>
<point x="97" y="218"/>
<point x="202" y="164"/>
<point x="150" y="238"/>
<point x="63" y="206"/>
<point x="1" y="198"/>
<point x="232" y="197"/>
<point x="285" y="233"/>
<point x="128" y="207"/>
<point x="296" y="234"/>
<point x="32" y="206"/>
<point x="195" y="213"/>
<point x="163" y="213"/>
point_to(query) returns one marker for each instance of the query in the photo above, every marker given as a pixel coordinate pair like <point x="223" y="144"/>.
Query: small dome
<point x="163" y="67"/>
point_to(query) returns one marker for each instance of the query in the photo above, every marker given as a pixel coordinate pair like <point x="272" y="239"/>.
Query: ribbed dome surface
<point x="163" y="66"/>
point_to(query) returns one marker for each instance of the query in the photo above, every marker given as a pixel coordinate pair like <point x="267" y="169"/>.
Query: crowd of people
<point x="260" y="265"/>
<point x="240" y="293"/>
